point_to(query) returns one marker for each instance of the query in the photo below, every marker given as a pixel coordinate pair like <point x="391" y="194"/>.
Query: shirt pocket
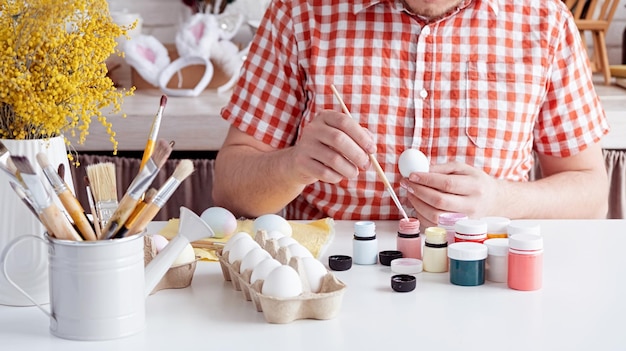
<point x="502" y="103"/>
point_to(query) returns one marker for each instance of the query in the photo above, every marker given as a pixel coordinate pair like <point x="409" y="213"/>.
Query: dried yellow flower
<point x="53" y="74"/>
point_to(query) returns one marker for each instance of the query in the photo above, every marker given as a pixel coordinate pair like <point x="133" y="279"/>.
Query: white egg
<point x="275" y="234"/>
<point x="240" y="249"/>
<point x="412" y="160"/>
<point x="185" y="257"/>
<point x="252" y="258"/>
<point x="286" y="241"/>
<point x="221" y="221"/>
<point x="264" y="268"/>
<point x="282" y="281"/>
<point x="297" y="250"/>
<point x="270" y="222"/>
<point x="159" y="241"/>
<point x="234" y="239"/>
<point x="315" y="272"/>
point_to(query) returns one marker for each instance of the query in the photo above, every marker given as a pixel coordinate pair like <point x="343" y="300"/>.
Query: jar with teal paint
<point x="467" y="263"/>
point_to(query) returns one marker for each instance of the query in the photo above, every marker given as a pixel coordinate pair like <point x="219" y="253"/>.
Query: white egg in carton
<point x="274" y="291"/>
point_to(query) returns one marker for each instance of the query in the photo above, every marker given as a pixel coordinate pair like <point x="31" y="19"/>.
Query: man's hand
<point x="451" y="187"/>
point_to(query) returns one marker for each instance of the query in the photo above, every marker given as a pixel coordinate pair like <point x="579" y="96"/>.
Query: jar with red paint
<point x="470" y="230"/>
<point x="408" y="240"/>
<point x="525" y="271"/>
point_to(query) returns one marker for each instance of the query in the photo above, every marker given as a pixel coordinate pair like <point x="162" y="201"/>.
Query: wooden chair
<point x="595" y="16"/>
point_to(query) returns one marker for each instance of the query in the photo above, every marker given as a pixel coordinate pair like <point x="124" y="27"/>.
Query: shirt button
<point x="426" y="30"/>
<point x="423" y="93"/>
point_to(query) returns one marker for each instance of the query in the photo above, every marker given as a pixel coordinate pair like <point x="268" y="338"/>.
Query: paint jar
<point x="470" y="230"/>
<point x="496" y="266"/>
<point x="408" y="241"/>
<point x="435" y="250"/>
<point x="467" y="263"/>
<point x="525" y="262"/>
<point x="496" y="226"/>
<point x="523" y="227"/>
<point x="365" y="244"/>
<point x="447" y="221"/>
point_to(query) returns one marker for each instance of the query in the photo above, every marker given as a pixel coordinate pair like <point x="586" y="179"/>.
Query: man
<point x="477" y="85"/>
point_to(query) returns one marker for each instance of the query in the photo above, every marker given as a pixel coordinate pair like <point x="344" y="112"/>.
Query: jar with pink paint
<point x="447" y="220"/>
<point x="408" y="240"/>
<point x="525" y="271"/>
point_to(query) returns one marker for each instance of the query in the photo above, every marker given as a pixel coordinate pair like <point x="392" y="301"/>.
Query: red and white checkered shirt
<point x="485" y="85"/>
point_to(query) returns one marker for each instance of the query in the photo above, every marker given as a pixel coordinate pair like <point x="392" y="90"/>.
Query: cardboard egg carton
<point x="324" y="304"/>
<point x="177" y="277"/>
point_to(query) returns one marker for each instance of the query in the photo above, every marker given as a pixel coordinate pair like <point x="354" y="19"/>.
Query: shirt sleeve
<point x="268" y="100"/>
<point x="571" y="117"/>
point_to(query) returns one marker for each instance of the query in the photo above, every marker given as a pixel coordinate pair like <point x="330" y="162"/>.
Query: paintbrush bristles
<point x="161" y="153"/>
<point x="183" y="170"/>
<point x="103" y="181"/>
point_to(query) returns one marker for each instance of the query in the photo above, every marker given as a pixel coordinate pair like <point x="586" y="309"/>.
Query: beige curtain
<point x="194" y="193"/>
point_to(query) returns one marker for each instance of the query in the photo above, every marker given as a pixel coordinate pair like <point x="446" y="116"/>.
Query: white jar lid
<point x="365" y="229"/>
<point x="523" y="227"/>
<point x="470" y="226"/>
<point x="497" y="246"/>
<point x="406" y="265"/>
<point x="526" y="242"/>
<point x="496" y="225"/>
<point x="467" y="251"/>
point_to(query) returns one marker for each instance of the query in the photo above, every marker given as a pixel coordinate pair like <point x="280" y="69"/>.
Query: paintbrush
<point x="21" y="193"/>
<point x="377" y="167"/>
<point x="137" y="187"/>
<point x="103" y="183"/>
<point x="94" y="214"/>
<point x="154" y="131"/>
<point x="5" y="162"/>
<point x="55" y="221"/>
<point x="68" y="200"/>
<point x="136" y="211"/>
<point x="182" y="171"/>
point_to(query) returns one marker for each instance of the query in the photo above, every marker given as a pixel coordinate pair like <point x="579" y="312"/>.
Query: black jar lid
<point x="339" y="262"/>
<point x="385" y="257"/>
<point x="403" y="282"/>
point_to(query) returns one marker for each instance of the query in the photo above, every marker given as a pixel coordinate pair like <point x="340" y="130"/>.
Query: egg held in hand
<point x="412" y="160"/>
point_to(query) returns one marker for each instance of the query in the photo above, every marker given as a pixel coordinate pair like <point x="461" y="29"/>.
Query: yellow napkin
<point x="313" y="235"/>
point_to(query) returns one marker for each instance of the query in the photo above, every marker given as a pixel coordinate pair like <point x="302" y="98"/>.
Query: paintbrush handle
<point x="56" y="222"/>
<point x="390" y="190"/>
<point x="77" y="213"/>
<point x="121" y="214"/>
<point x="147" y="153"/>
<point x="147" y="215"/>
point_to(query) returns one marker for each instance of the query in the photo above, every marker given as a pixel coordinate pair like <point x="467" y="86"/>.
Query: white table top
<point x="582" y="306"/>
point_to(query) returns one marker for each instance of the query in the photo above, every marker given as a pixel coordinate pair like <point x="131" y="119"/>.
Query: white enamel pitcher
<point x="98" y="288"/>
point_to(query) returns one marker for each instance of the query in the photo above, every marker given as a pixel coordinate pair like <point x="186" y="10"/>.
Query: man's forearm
<point x="252" y="183"/>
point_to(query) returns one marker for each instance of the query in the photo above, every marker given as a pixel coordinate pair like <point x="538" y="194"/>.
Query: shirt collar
<point x="359" y="6"/>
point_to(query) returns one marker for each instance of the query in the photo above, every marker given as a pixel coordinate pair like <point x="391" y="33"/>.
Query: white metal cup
<point x="96" y="287"/>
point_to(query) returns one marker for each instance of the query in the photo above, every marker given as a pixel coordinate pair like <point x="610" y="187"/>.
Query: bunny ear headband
<point x="201" y="37"/>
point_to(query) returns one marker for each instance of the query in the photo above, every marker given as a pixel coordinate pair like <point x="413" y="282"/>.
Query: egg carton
<point x="176" y="277"/>
<point x="324" y="304"/>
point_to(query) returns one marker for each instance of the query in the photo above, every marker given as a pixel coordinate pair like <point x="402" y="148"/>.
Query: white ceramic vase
<point x="27" y="264"/>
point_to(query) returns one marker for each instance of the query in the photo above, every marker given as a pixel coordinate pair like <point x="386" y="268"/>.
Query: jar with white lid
<point x="496" y="266"/>
<point x="365" y="244"/>
<point x="470" y="230"/>
<point x="467" y="263"/>
<point x="525" y="270"/>
<point x="496" y="226"/>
